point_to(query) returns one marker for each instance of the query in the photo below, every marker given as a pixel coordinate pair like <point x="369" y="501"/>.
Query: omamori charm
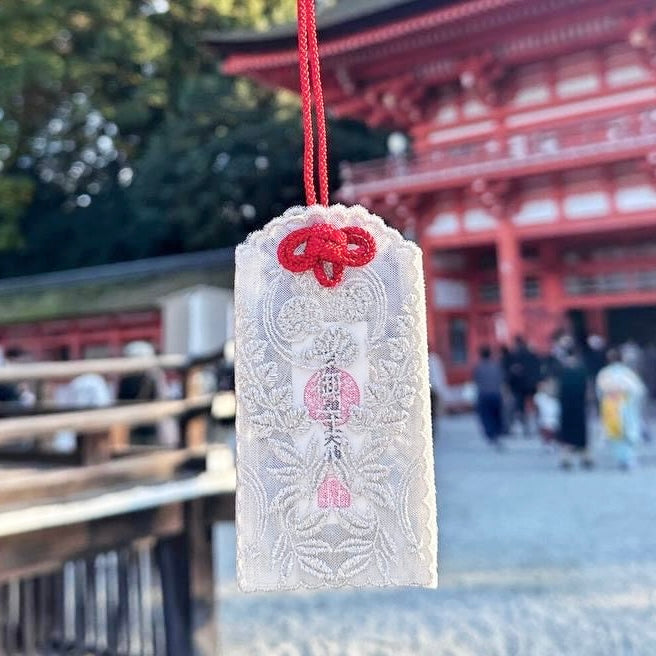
<point x="334" y="451"/>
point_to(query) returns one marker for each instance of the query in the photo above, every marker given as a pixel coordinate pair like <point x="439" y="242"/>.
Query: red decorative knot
<point x="325" y="244"/>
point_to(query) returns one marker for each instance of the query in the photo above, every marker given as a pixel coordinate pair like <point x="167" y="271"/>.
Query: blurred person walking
<point x="572" y="394"/>
<point x="621" y="393"/>
<point x="10" y="393"/>
<point x="649" y="369"/>
<point x="488" y="378"/>
<point x="523" y="378"/>
<point x="146" y="386"/>
<point x="631" y="355"/>
<point x="84" y="391"/>
<point x="508" y="399"/>
<point x="595" y="355"/>
<point x="437" y="380"/>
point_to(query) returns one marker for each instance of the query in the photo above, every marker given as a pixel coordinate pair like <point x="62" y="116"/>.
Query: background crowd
<point x="556" y="394"/>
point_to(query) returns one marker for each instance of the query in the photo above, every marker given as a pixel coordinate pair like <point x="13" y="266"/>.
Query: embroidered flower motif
<point x="334" y="346"/>
<point x="351" y="303"/>
<point x="299" y="316"/>
<point x="355" y="302"/>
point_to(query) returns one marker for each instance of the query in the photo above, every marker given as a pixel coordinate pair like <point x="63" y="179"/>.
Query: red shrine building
<point x="531" y="182"/>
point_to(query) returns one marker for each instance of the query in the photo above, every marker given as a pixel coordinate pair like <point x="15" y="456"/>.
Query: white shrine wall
<point x="589" y="194"/>
<point x="538" y="92"/>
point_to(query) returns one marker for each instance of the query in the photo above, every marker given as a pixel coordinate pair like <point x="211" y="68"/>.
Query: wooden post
<point x="201" y="581"/>
<point x="187" y="575"/>
<point x="46" y="612"/>
<point x="171" y="555"/>
<point x="119" y="438"/>
<point x="28" y="612"/>
<point x="193" y="430"/>
<point x="94" y="448"/>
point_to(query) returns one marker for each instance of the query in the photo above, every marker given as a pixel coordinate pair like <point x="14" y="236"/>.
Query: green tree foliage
<point x="119" y="139"/>
<point x="217" y="170"/>
<point x="69" y="70"/>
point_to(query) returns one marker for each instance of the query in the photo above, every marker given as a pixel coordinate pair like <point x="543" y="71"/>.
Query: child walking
<point x="548" y="406"/>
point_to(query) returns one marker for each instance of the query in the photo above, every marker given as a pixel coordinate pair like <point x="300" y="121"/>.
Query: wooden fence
<point x="109" y="550"/>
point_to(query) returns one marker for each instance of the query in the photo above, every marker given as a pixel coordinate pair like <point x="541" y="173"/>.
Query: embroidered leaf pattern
<point x="280" y="547"/>
<point x="362" y="420"/>
<point x="315" y="566"/>
<point x="268" y="372"/>
<point x="255" y="350"/>
<point x="312" y="524"/>
<point x="268" y="405"/>
<point x="354" y="565"/>
<point x="287" y="454"/>
<point x="353" y="546"/>
<point x="403" y="505"/>
<point x="286" y="565"/>
<point x="313" y="547"/>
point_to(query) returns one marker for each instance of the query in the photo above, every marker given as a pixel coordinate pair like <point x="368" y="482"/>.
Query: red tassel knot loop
<point x="350" y="246"/>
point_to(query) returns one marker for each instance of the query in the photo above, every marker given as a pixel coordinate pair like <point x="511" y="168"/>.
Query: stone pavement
<point x="533" y="561"/>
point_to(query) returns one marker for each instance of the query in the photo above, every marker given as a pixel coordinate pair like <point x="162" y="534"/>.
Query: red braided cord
<point x="306" y="104"/>
<point x="317" y="90"/>
<point x="325" y="244"/>
<point x="310" y="83"/>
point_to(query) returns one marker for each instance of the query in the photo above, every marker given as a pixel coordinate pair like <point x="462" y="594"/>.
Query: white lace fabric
<point x="335" y="477"/>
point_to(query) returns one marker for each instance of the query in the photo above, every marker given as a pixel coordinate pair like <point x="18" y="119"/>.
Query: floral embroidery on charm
<point x="326" y="245"/>
<point x="298" y="317"/>
<point x="334" y="346"/>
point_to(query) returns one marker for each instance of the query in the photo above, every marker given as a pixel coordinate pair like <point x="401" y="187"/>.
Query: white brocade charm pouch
<point x="335" y="478"/>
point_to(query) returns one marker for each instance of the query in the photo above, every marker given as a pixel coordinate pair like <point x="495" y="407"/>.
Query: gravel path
<point x="533" y="561"/>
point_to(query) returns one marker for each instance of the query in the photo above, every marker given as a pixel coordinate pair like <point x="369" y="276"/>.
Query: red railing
<point x="552" y="148"/>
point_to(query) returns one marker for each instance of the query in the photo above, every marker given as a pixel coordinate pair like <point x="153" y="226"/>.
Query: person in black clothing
<point x="140" y="387"/>
<point x="595" y="356"/>
<point x="573" y="382"/>
<point x="649" y="369"/>
<point x="506" y="362"/>
<point x="9" y="392"/>
<point x="523" y="378"/>
<point x="488" y="377"/>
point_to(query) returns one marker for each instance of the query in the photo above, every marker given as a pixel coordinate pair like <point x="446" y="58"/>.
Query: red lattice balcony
<point x="570" y="146"/>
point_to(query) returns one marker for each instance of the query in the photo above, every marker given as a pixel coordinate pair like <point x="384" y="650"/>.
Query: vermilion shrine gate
<point x="531" y="188"/>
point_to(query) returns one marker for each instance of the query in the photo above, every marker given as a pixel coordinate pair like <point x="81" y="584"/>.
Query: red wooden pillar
<point x="473" y="313"/>
<point x="115" y="341"/>
<point x="552" y="291"/>
<point x="596" y="323"/>
<point x="552" y="286"/>
<point x="509" y="263"/>
<point x="75" y="345"/>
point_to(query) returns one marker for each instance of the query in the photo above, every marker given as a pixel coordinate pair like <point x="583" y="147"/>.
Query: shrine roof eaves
<point x="109" y="288"/>
<point x="346" y="17"/>
<point x="382" y="22"/>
